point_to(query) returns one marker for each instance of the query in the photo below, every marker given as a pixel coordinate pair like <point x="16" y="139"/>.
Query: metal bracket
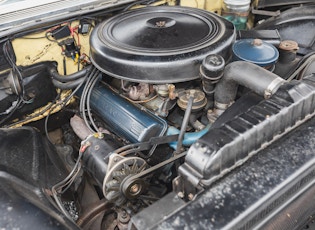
<point x="265" y="12"/>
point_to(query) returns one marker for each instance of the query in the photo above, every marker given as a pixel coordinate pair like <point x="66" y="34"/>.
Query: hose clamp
<point x="273" y="87"/>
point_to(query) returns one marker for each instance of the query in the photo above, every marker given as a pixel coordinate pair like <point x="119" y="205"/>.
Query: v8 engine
<point x="161" y="117"/>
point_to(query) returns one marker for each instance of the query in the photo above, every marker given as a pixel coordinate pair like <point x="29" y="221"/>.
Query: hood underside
<point x="16" y="15"/>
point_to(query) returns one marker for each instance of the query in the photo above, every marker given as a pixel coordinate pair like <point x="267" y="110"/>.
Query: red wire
<point x="77" y="37"/>
<point x="55" y="27"/>
<point x="72" y="31"/>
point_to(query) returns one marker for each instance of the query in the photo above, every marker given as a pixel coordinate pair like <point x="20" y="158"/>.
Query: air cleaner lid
<point x="159" y="44"/>
<point x="255" y="51"/>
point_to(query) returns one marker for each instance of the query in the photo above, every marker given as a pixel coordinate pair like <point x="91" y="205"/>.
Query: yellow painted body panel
<point x="29" y="51"/>
<point x="210" y="5"/>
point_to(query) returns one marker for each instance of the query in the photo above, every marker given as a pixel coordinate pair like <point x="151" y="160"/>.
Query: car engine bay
<point x="163" y="115"/>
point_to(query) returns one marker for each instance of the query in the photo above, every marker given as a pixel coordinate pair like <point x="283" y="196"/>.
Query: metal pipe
<point x="255" y="78"/>
<point x="184" y="124"/>
<point x="79" y="127"/>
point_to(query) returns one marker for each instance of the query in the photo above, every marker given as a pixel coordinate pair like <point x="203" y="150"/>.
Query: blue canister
<point x="256" y="51"/>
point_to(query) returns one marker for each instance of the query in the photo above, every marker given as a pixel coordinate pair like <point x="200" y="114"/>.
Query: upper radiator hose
<point x="256" y="78"/>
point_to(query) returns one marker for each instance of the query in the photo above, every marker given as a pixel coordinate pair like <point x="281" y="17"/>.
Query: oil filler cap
<point x="255" y="51"/>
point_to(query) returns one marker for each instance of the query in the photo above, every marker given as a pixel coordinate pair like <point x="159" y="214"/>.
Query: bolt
<point x="267" y="94"/>
<point x="124" y="214"/>
<point x="134" y="189"/>
<point x="123" y="217"/>
<point x="97" y="147"/>
<point x="190" y="196"/>
<point x="257" y="42"/>
<point x="192" y="93"/>
<point x="160" y="24"/>
<point x="180" y="194"/>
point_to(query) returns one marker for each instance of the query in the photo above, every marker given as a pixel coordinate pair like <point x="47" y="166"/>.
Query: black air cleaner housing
<point x="159" y="44"/>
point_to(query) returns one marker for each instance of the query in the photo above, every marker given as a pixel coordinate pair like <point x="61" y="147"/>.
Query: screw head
<point x="180" y="194"/>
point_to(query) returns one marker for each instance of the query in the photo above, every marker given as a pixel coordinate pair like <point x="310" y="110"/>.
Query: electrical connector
<point x="69" y="47"/>
<point x="84" y="27"/>
<point x="61" y="32"/>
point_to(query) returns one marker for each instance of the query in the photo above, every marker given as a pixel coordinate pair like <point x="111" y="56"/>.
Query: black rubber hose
<point x="68" y="78"/>
<point x="67" y="85"/>
<point x="253" y="77"/>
